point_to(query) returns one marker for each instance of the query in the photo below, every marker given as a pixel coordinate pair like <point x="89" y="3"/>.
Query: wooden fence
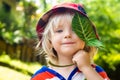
<point x="24" y="51"/>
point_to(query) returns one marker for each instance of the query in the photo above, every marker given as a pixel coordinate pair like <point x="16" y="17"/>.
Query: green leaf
<point x="95" y="42"/>
<point x="82" y="26"/>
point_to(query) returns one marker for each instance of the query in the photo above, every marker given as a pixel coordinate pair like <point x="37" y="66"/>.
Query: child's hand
<point x="83" y="62"/>
<point x="82" y="59"/>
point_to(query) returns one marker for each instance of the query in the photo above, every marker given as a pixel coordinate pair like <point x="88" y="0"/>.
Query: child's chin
<point x="69" y="51"/>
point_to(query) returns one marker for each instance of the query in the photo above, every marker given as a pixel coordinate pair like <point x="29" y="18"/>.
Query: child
<point x="67" y="55"/>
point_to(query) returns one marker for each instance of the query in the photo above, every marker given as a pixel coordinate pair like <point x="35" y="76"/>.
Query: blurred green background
<point x="18" y="58"/>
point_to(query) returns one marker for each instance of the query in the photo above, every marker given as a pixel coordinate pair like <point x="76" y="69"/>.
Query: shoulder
<point x="39" y="71"/>
<point x="40" y="74"/>
<point x="98" y="68"/>
<point x="101" y="72"/>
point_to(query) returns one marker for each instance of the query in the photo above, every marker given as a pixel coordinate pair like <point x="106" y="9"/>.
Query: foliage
<point x="111" y="64"/>
<point x="84" y="29"/>
<point x="16" y="69"/>
<point x="15" y="28"/>
<point x="24" y="67"/>
<point x="107" y="22"/>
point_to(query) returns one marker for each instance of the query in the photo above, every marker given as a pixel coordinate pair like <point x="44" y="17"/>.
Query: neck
<point x="63" y="60"/>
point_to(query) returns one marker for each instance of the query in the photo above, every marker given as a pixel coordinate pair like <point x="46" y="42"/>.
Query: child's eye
<point x="59" y="31"/>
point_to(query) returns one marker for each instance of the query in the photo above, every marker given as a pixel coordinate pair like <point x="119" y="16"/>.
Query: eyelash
<point x="59" y="31"/>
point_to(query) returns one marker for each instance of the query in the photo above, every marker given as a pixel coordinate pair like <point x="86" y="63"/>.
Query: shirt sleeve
<point x="101" y="72"/>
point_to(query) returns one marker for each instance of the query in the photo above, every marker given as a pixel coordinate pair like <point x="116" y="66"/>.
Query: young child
<point x="67" y="55"/>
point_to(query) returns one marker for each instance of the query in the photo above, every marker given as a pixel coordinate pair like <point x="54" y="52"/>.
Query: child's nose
<point x="68" y="34"/>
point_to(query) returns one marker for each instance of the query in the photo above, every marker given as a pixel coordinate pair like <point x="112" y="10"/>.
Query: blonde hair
<point x="55" y="21"/>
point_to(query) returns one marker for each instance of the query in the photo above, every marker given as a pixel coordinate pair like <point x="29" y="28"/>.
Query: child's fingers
<point x="81" y="58"/>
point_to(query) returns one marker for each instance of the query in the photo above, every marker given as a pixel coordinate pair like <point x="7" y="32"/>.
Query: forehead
<point x="60" y="20"/>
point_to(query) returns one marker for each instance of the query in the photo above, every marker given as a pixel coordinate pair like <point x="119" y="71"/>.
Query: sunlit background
<point x="18" y="57"/>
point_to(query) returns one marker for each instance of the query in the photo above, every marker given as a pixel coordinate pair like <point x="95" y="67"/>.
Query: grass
<point x="10" y="74"/>
<point x="11" y="69"/>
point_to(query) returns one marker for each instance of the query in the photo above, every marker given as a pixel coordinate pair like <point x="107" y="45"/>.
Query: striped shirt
<point x="45" y="73"/>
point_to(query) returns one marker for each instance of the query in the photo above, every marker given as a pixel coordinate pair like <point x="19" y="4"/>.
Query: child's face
<point x="65" y="41"/>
